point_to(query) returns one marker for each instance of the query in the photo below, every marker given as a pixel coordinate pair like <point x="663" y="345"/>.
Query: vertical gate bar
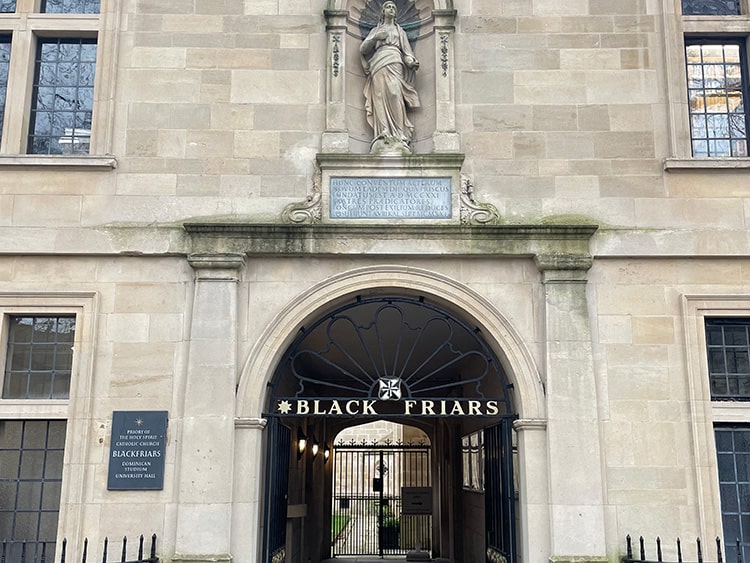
<point x="153" y="548"/>
<point x="380" y="506"/>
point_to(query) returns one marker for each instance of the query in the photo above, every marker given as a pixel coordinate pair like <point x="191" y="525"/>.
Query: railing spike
<point x="153" y="548"/>
<point x="124" y="548"/>
<point x="106" y="545"/>
<point x="44" y="552"/>
<point x="64" y="550"/>
<point x="140" y="549"/>
<point x="700" y="550"/>
<point x="658" y="549"/>
<point x="2" y="553"/>
<point x="679" y="551"/>
<point x="23" y="552"/>
<point x="740" y="556"/>
<point x="643" y="548"/>
<point x="719" y="558"/>
<point x="629" y="548"/>
<point x="85" y="549"/>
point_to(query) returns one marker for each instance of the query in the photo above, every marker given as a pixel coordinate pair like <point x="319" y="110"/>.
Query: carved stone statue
<point x="390" y="66"/>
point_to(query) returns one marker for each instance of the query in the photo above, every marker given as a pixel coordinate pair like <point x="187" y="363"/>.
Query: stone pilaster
<point x="206" y="447"/>
<point x="247" y="502"/>
<point x="574" y="450"/>
<point x="445" y="138"/>
<point x="533" y="484"/>
<point x="336" y="136"/>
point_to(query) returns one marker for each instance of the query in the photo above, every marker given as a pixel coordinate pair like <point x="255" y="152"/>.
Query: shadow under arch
<point x="497" y="331"/>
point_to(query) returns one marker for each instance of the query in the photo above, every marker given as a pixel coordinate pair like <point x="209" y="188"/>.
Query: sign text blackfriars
<point x="374" y="407"/>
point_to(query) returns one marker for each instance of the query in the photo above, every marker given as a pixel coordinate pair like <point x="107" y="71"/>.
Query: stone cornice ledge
<point x="54" y="161"/>
<point x="342" y="161"/>
<point x="671" y="164"/>
<point x="570" y="241"/>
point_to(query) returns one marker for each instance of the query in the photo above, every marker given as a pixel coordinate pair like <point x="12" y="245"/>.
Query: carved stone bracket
<point x="473" y="212"/>
<point x="308" y="211"/>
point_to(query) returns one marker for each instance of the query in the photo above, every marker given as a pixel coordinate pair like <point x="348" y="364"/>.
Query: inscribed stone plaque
<point x="137" y="451"/>
<point x="390" y="198"/>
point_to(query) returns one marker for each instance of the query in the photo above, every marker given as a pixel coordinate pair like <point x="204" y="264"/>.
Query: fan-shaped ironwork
<point x="391" y="348"/>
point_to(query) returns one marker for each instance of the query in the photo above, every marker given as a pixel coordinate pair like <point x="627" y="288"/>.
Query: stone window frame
<point x="703" y="412"/>
<point x="26" y="25"/>
<point x="677" y="28"/>
<point x="76" y="410"/>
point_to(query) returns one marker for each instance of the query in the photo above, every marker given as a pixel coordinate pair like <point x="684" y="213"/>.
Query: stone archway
<point x="511" y="352"/>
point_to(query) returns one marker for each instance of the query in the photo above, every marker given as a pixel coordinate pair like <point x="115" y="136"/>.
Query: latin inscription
<point x="137" y="450"/>
<point x="391" y="198"/>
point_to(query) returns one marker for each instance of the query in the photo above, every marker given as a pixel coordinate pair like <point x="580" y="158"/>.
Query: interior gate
<point x="382" y="499"/>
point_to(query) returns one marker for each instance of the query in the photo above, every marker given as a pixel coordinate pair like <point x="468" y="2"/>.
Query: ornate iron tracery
<point x="391" y="348"/>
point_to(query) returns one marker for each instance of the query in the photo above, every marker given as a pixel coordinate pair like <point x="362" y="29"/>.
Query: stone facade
<point x="604" y="248"/>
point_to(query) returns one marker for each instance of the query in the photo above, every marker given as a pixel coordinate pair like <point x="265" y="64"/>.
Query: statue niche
<point x="390" y="77"/>
<point x="390" y="68"/>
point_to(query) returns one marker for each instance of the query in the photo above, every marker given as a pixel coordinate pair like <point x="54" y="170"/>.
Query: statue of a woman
<point x="390" y="65"/>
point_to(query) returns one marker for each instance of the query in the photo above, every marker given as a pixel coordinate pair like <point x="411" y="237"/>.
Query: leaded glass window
<point x="70" y="6"/>
<point x="733" y="452"/>
<point x="63" y="97"/>
<point x="4" y="66"/>
<point x="710" y="7"/>
<point x="31" y="465"/>
<point x="39" y="358"/>
<point x="716" y="95"/>
<point x="728" y="349"/>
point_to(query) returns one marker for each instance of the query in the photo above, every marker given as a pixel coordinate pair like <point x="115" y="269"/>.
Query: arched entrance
<point x="401" y="357"/>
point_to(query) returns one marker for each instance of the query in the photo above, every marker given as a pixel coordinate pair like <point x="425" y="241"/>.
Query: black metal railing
<point x="44" y="552"/>
<point x="642" y="558"/>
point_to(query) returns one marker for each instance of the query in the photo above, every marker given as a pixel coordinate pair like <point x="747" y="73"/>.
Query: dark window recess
<point x="39" y="358"/>
<point x="31" y="463"/>
<point x="70" y="6"/>
<point x="63" y="96"/>
<point x="711" y="7"/>
<point x="716" y="98"/>
<point x="733" y="452"/>
<point x="7" y="6"/>
<point x="4" y="66"/>
<point x="728" y="350"/>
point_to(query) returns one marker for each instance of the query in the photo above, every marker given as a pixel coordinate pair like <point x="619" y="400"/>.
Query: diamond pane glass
<point x="718" y="121"/>
<point x="63" y="97"/>
<point x="710" y="7"/>
<point x="70" y="6"/>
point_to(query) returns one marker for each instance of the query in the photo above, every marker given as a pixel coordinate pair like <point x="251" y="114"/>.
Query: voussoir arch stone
<point x="472" y="307"/>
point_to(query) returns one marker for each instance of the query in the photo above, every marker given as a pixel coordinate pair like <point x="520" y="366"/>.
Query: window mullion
<point x="19" y="92"/>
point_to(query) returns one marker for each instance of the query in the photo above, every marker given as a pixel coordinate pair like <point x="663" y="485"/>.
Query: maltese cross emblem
<point x="390" y="389"/>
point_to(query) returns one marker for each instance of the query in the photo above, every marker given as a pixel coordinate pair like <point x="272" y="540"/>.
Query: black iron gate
<point x="382" y="499"/>
<point x="277" y="481"/>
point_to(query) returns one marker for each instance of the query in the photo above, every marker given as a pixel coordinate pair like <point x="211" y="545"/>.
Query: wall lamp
<point x="326" y="453"/>
<point x="301" y="443"/>
<point x="315" y="447"/>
